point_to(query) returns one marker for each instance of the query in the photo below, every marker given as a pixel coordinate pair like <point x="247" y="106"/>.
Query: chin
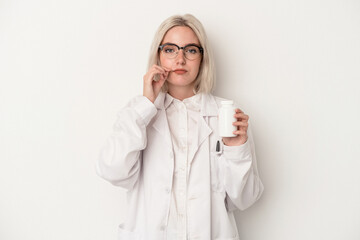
<point x="180" y="81"/>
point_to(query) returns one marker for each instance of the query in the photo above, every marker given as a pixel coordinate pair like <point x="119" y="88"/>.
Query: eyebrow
<point x="196" y="44"/>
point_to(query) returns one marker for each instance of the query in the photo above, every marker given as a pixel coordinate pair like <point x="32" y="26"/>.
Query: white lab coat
<point x="139" y="157"/>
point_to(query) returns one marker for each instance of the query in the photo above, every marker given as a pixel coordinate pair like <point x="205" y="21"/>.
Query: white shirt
<point x="182" y="117"/>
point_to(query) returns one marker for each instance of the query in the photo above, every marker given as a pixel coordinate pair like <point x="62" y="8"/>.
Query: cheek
<point x="196" y="67"/>
<point x="165" y="62"/>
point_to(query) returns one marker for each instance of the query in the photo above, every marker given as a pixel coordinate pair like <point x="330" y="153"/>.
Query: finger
<point x="240" y="132"/>
<point x="162" y="78"/>
<point x="166" y="69"/>
<point x="166" y="74"/>
<point x="243" y="129"/>
<point x="163" y="73"/>
<point x="157" y="85"/>
<point x="242" y="116"/>
<point x="159" y="71"/>
<point x="162" y="69"/>
<point x="153" y="71"/>
<point x="151" y="75"/>
<point x="240" y="124"/>
<point x="238" y="110"/>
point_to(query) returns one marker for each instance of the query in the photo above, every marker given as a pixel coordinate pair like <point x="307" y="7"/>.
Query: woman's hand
<point x="152" y="88"/>
<point x="242" y="125"/>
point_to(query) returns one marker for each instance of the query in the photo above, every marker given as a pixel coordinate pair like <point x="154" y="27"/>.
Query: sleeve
<point x="120" y="158"/>
<point x="240" y="175"/>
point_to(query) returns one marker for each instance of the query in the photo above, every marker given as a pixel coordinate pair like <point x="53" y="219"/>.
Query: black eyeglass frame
<point x="173" y="44"/>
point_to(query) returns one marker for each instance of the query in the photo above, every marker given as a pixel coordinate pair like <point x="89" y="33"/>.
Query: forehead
<point x="180" y="35"/>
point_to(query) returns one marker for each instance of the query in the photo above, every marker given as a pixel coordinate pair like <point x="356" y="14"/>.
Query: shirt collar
<point x="168" y="100"/>
<point x="206" y="102"/>
<point x="191" y="103"/>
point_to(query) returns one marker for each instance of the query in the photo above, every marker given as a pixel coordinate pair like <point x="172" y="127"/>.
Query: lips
<point x="180" y="71"/>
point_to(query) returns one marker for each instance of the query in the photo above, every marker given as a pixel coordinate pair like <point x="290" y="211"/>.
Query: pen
<point x="218" y="146"/>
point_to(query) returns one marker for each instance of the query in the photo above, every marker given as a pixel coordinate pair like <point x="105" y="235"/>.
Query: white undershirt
<point x="182" y="118"/>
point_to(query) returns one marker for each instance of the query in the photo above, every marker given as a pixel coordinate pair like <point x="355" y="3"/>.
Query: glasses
<point x="191" y="51"/>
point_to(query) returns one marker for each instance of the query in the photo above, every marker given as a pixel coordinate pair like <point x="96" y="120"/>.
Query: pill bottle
<point x="226" y="119"/>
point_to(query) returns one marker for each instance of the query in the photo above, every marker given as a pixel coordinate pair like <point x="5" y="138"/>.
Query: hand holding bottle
<point x="241" y="123"/>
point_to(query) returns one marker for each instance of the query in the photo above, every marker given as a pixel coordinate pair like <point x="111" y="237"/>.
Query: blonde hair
<point x="205" y="79"/>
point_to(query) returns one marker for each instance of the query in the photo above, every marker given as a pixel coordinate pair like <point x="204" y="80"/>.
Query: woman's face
<point x="183" y="72"/>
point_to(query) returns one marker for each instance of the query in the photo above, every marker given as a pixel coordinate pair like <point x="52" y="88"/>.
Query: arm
<point x="241" y="178"/>
<point x="240" y="175"/>
<point x="120" y="158"/>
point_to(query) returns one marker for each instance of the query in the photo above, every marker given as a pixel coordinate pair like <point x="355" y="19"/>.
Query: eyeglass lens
<point x="190" y="52"/>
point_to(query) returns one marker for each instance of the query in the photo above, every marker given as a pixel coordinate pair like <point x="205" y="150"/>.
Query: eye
<point x="169" y="49"/>
<point x="192" y="50"/>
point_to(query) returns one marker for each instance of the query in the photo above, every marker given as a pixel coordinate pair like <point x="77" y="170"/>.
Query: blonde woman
<point x="183" y="180"/>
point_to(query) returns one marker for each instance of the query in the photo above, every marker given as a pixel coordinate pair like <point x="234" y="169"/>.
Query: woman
<point x="163" y="149"/>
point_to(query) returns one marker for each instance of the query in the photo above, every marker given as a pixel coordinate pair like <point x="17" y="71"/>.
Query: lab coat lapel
<point x="161" y="125"/>
<point x="203" y="131"/>
<point x="160" y="121"/>
<point x="208" y="109"/>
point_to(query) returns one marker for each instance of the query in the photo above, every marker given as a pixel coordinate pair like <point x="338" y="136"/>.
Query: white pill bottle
<point x="226" y="119"/>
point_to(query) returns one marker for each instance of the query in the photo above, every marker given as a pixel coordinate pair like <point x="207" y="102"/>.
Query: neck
<point x="181" y="93"/>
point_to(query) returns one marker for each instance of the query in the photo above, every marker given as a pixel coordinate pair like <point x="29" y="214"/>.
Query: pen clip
<point x="218" y="149"/>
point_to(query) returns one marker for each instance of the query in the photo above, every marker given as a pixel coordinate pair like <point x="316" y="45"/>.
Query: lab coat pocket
<point x="217" y="184"/>
<point x="127" y="235"/>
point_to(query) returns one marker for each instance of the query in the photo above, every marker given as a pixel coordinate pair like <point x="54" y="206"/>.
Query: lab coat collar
<point x="208" y="104"/>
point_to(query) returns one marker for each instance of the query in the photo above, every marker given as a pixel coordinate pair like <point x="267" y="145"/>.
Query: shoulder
<point x="139" y="99"/>
<point x="216" y="99"/>
<point x="210" y="104"/>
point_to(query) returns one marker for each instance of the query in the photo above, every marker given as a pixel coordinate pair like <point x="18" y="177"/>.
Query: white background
<point x="67" y="67"/>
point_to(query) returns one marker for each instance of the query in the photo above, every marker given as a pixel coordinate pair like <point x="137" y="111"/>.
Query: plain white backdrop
<point x="67" y="67"/>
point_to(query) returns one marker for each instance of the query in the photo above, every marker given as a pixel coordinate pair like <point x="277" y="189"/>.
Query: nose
<point x="180" y="58"/>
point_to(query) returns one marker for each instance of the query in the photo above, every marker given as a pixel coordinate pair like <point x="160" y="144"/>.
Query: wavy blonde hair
<point x="205" y="80"/>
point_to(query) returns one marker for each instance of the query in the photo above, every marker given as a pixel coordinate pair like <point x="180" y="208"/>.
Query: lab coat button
<point x="167" y="190"/>
<point x="162" y="228"/>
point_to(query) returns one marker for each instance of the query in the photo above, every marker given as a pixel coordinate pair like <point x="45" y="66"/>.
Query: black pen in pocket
<point x="218" y="146"/>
